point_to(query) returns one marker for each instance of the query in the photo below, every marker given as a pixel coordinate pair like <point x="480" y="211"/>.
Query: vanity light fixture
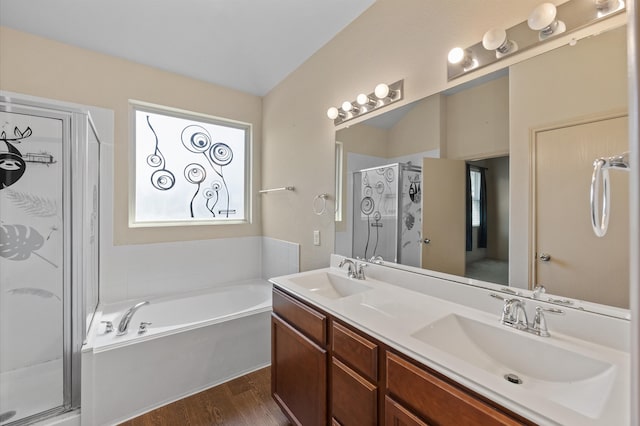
<point x="350" y="107"/>
<point x="496" y="39"/>
<point x="365" y="101"/>
<point x="543" y="19"/>
<point x="383" y="95"/>
<point x="462" y="58"/>
<point x="333" y="113"/>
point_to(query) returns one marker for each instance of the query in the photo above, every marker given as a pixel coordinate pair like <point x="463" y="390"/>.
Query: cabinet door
<point x="354" y="401"/>
<point x="397" y="415"/>
<point x="298" y="375"/>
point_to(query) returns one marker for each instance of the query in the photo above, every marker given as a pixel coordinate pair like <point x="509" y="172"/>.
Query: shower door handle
<point x="426" y="241"/>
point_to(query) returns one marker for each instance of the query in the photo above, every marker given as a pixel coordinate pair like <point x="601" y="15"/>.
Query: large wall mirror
<point x="490" y="181"/>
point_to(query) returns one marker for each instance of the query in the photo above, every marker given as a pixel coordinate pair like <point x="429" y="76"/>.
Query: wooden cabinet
<point x="396" y="415"/>
<point x="436" y="400"/>
<point x="325" y="372"/>
<point x="298" y="366"/>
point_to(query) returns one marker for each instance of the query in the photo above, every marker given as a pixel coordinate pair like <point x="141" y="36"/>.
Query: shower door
<point x="36" y="359"/>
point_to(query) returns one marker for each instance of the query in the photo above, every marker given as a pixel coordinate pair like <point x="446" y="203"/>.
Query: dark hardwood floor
<point x="245" y="401"/>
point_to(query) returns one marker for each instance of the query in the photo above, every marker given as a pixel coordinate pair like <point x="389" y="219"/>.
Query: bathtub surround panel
<point x="139" y="377"/>
<point x="279" y="257"/>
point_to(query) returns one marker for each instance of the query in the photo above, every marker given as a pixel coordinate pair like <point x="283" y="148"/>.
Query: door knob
<point x="545" y="257"/>
<point x="426" y="241"/>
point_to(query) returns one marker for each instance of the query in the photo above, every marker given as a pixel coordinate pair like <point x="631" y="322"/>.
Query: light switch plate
<point x="316" y="238"/>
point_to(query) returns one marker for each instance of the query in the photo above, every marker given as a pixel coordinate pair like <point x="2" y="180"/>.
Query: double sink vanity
<point x="400" y="347"/>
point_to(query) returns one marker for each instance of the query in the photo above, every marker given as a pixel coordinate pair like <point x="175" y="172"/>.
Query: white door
<point x="580" y="265"/>
<point x="443" y="215"/>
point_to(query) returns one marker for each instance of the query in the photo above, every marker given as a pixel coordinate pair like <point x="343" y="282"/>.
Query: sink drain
<point x="6" y="416"/>
<point x="512" y="378"/>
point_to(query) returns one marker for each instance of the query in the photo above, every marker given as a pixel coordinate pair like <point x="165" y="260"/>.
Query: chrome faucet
<point x="514" y="315"/>
<point x="355" y="270"/>
<point x="123" y="327"/>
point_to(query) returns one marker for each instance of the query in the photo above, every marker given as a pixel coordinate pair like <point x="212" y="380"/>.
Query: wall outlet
<point x="316" y="238"/>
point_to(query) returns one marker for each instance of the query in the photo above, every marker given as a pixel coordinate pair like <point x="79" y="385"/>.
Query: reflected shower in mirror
<point x="495" y="216"/>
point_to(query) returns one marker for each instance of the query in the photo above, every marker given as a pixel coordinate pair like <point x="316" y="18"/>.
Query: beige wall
<point x="568" y="83"/>
<point x="478" y="121"/>
<point x="36" y="66"/>
<point x="393" y="39"/>
<point x="419" y="130"/>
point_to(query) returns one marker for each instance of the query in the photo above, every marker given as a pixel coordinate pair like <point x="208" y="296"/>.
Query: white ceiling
<point x="248" y="45"/>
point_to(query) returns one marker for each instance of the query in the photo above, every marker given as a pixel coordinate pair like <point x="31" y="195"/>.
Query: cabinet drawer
<point x="437" y="401"/>
<point x="396" y="415"/>
<point x="309" y="321"/>
<point x="354" y="401"/>
<point x="356" y="351"/>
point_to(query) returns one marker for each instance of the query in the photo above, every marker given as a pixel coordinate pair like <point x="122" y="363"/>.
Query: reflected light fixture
<point x="383" y="95"/>
<point x="543" y="19"/>
<point x="607" y="7"/>
<point x="496" y="39"/>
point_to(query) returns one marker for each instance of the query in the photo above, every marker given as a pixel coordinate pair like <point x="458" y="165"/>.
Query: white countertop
<point x="391" y="313"/>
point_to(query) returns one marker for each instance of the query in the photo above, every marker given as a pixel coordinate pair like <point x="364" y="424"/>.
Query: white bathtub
<point x="195" y="341"/>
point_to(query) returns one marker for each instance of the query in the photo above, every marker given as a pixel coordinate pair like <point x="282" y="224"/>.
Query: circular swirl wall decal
<point x="367" y="191"/>
<point x="216" y="185"/>
<point x="221" y="154"/>
<point x="377" y="216"/>
<point x="154" y="160"/>
<point x="208" y="193"/>
<point x="196" y="138"/>
<point x="195" y="173"/>
<point x="163" y="179"/>
<point x="367" y="205"/>
<point x="379" y="187"/>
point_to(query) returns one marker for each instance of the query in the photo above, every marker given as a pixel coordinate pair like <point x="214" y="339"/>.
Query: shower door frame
<point x="75" y="127"/>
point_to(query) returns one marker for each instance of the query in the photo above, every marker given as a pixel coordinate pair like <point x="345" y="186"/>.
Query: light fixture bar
<point x="574" y="14"/>
<point x="381" y="97"/>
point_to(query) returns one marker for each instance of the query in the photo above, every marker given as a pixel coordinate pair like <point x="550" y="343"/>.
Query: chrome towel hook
<point x="320" y="204"/>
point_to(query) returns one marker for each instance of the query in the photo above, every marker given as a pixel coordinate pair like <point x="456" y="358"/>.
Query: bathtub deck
<point x="245" y="401"/>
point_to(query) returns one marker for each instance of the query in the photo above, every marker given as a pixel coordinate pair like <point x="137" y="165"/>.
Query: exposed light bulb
<point x="496" y="39"/>
<point x="381" y="91"/>
<point x="543" y="19"/>
<point x="456" y="55"/>
<point x="362" y="99"/>
<point x="333" y="113"/>
<point x="347" y="106"/>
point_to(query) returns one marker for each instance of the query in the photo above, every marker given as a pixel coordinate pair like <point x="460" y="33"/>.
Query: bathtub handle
<point x="143" y="327"/>
<point x="108" y="326"/>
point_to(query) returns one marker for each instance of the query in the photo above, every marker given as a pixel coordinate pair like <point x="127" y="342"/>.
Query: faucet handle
<point x="360" y="271"/>
<point x="539" y="325"/>
<point x="143" y="327"/>
<point x="108" y="326"/>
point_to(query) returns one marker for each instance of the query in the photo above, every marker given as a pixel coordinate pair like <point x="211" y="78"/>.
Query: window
<point x="475" y="196"/>
<point x="188" y="168"/>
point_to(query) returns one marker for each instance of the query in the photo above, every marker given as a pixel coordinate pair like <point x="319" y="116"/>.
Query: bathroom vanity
<point x="349" y="351"/>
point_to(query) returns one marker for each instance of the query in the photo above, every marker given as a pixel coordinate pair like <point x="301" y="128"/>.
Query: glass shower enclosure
<point x="49" y="201"/>
<point x="387" y="213"/>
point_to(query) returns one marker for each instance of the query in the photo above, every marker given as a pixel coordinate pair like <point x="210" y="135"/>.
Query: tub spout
<point x="123" y="327"/>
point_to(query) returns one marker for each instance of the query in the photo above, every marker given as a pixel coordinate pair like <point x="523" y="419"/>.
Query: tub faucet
<point x="126" y="318"/>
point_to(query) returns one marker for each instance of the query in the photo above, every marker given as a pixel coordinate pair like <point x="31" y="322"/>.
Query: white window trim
<point x="135" y="105"/>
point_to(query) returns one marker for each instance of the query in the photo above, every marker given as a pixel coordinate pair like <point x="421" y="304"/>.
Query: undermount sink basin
<point x="543" y="368"/>
<point x="330" y="285"/>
